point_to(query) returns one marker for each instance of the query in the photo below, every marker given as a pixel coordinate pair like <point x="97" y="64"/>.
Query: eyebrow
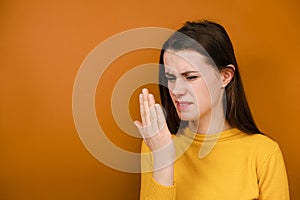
<point x="184" y="73"/>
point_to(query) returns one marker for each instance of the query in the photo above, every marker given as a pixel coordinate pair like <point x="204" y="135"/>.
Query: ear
<point x="227" y="74"/>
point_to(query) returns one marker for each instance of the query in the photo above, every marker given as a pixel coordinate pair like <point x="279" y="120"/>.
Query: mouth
<point x="183" y="105"/>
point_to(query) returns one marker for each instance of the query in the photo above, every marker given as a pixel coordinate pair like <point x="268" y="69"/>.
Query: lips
<point x="183" y="105"/>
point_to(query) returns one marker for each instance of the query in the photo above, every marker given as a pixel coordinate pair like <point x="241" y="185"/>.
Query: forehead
<point x="185" y="60"/>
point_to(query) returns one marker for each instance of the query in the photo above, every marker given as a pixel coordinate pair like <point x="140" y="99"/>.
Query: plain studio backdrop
<point x="43" y="44"/>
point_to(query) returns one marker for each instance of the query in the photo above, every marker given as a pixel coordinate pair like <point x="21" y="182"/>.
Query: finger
<point x="151" y="100"/>
<point x="145" y="91"/>
<point x="161" y="121"/>
<point x="142" y="110"/>
<point x="146" y="107"/>
<point x="152" y="130"/>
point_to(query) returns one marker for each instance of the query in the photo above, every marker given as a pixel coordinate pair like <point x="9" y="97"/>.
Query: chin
<point x="185" y="117"/>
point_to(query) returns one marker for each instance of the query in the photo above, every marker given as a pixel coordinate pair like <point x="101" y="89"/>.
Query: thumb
<point x="139" y="126"/>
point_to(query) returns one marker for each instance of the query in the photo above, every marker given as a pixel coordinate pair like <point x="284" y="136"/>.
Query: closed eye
<point x="186" y="75"/>
<point x="191" y="77"/>
<point x="171" y="78"/>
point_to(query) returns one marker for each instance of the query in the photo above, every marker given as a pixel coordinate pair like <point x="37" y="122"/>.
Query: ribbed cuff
<point x="158" y="191"/>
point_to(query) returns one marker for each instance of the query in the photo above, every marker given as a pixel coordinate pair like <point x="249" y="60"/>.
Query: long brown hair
<point x="213" y="42"/>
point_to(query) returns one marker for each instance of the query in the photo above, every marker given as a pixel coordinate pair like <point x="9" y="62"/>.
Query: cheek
<point x="171" y="95"/>
<point x="170" y="87"/>
<point x="210" y="90"/>
<point x="199" y="90"/>
<point x="201" y="95"/>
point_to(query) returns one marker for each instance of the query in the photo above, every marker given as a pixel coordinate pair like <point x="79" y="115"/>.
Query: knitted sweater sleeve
<point x="272" y="177"/>
<point x="150" y="189"/>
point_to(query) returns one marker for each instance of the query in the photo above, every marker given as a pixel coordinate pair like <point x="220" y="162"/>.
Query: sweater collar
<point x="221" y="136"/>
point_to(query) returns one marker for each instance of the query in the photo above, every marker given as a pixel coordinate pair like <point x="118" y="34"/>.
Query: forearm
<point x="158" y="184"/>
<point x="163" y="171"/>
<point x="165" y="176"/>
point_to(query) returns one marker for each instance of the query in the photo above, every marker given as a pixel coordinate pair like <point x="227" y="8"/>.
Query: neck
<point x="195" y="127"/>
<point x="212" y="122"/>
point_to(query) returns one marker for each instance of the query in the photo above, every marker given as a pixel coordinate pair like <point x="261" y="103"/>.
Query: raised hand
<point x="157" y="137"/>
<point x="153" y="127"/>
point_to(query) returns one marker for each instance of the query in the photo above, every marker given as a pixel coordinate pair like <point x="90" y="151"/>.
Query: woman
<point x="208" y="146"/>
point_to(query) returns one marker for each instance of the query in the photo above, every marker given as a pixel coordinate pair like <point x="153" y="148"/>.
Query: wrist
<point x="164" y="176"/>
<point x="164" y="156"/>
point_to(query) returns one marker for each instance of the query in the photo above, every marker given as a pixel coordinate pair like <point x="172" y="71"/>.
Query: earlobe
<point x="227" y="74"/>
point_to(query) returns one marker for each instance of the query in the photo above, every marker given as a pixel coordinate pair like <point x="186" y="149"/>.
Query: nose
<point x="178" y="88"/>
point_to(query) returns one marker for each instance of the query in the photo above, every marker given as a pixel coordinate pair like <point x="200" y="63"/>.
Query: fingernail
<point x="144" y="90"/>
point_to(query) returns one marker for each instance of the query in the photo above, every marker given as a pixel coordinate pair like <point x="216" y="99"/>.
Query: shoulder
<point x="261" y="141"/>
<point x="262" y="147"/>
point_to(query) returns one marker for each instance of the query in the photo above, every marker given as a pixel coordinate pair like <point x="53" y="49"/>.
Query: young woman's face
<point x="194" y="85"/>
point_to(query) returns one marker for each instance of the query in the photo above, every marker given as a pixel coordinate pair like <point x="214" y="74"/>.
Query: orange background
<point x="43" y="44"/>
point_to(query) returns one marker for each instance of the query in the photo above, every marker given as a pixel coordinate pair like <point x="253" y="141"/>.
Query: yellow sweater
<point x="240" y="167"/>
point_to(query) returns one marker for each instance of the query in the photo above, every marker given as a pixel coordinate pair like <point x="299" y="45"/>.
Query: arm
<point x="272" y="177"/>
<point x="160" y="183"/>
<point x="150" y="188"/>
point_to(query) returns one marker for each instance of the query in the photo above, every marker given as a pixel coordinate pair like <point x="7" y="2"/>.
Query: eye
<point x="171" y="78"/>
<point x="190" y="78"/>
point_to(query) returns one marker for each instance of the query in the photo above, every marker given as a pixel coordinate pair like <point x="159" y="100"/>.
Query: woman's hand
<point x="153" y="127"/>
<point x="157" y="137"/>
